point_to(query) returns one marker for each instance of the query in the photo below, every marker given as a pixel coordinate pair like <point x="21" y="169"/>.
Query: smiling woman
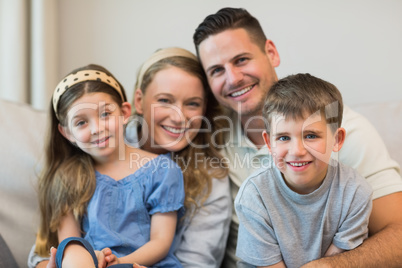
<point x="174" y="104"/>
<point x="180" y="116"/>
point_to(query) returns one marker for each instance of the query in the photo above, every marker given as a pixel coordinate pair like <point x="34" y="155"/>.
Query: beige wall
<point x="354" y="44"/>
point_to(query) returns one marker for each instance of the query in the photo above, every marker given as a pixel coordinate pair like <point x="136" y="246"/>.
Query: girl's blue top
<point x="119" y="212"/>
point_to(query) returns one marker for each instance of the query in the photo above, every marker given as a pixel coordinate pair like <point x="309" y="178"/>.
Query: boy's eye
<point x="105" y="114"/>
<point x="283" y="138"/>
<point x="311" y="136"/>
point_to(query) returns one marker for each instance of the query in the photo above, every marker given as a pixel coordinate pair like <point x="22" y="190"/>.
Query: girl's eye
<point x="80" y="123"/>
<point x="283" y="138"/>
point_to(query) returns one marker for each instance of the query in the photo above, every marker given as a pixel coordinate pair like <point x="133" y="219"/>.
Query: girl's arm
<point x="163" y="227"/>
<point x="68" y="227"/>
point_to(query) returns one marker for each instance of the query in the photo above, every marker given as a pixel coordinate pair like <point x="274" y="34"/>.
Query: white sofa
<point x="22" y="133"/>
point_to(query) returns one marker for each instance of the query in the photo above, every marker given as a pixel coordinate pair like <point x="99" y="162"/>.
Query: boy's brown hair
<point x="297" y="95"/>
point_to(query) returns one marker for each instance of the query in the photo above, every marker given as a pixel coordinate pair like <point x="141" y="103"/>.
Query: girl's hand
<point x="106" y="258"/>
<point x="52" y="259"/>
<point x="138" y="266"/>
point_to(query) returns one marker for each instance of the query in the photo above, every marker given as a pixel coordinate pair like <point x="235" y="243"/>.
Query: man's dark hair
<point x="229" y="18"/>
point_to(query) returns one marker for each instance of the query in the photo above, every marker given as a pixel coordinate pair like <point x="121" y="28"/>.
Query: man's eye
<point x="216" y="71"/>
<point x="241" y="60"/>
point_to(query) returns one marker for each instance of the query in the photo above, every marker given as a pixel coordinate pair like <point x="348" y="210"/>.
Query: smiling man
<point x="240" y="65"/>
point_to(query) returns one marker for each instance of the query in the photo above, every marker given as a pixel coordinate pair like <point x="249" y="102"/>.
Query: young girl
<point x="122" y="200"/>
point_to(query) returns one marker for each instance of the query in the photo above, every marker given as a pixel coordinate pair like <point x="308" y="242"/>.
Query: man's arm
<point x="383" y="248"/>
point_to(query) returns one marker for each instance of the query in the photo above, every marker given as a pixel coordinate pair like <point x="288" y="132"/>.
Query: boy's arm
<point x="383" y="248"/>
<point x="332" y="250"/>
<point x="163" y="227"/>
<point x="280" y="264"/>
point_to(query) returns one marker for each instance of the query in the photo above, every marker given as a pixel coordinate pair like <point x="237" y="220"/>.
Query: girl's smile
<point x="95" y="124"/>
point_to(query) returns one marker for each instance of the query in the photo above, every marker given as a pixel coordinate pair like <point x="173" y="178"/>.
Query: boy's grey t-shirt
<point x="278" y="224"/>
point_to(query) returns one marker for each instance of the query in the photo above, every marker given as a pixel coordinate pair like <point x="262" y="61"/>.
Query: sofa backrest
<point x="386" y="117"/>
<point x="21" y="147"/>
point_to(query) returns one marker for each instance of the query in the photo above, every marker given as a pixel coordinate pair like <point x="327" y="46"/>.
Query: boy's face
<point x="302" y="148"/>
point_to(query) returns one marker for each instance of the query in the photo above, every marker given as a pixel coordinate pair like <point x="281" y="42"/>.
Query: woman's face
<point x="172" y="107"/>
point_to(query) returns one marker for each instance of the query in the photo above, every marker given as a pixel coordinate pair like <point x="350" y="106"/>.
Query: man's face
<point x="238" y="71"/>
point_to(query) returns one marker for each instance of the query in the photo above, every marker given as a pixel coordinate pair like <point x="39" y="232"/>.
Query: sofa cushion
<point x="21" y="141"/>
<point x="6" y="257"/>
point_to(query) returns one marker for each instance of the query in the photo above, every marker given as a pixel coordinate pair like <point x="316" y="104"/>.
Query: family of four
<point x="216" y="163"/>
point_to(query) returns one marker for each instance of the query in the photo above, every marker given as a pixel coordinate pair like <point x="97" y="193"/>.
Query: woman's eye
<point x="163" y="100"/>
<point x="194" y="104"/>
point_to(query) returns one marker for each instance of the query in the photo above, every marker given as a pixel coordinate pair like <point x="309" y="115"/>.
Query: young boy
<point x="307" y="205"/>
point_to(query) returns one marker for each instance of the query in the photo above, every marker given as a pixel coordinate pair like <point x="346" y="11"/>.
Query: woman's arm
<point x="203" y="239"/>
<point x="163" y="227"/>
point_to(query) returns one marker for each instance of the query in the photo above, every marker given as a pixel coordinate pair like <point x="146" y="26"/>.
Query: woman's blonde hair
<point x="67" y="181"/>
<point x="197" y="177"/>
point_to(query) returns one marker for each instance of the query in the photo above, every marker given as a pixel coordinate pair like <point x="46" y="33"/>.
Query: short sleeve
<point x="368" y="155"/>
<point x="166" y="189"/>
<point x="256" y="242"/>
<point x="354" y="229"/>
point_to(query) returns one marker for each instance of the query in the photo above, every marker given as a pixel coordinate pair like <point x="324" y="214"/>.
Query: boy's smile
<point x="301" y="149"/>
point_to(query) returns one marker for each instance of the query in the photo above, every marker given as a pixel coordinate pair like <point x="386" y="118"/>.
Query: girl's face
<point x="95" y="124"/>
<point x="173" y="108"/>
